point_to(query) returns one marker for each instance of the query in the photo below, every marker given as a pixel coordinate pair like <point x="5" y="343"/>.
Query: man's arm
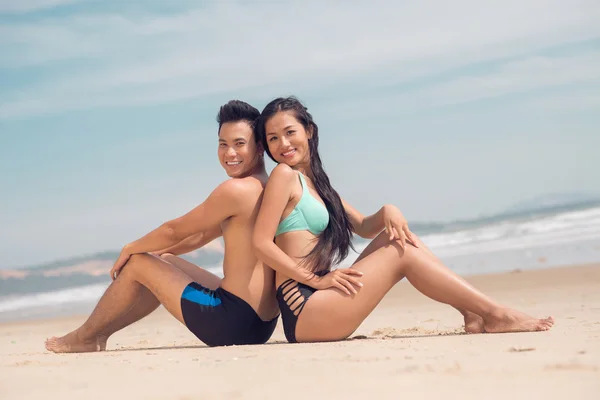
<point x="192" y="243"/>
<point x="222" y="203"/>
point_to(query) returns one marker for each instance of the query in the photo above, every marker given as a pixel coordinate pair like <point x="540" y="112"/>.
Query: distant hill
<point x="553" y="201"/>
<point x="67" y="262"/>
<point x="82" y="270"/>
<point x="210" y="254"/>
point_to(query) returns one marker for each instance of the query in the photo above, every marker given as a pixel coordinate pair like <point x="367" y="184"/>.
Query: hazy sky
<point x="446" y="109"/>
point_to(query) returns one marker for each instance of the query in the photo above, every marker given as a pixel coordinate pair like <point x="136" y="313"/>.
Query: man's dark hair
<point x="237" y="110"/>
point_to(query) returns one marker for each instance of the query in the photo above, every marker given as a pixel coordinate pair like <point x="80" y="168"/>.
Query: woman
<point x="313" y="227"/>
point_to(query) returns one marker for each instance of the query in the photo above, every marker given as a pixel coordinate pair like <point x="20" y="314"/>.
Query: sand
<point x="410" y="347"/>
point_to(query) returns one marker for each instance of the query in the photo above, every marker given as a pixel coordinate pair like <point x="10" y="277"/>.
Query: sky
<point x="446" y="109"/>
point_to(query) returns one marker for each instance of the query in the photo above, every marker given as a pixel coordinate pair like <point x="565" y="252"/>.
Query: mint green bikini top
<point x="308" y="215"/>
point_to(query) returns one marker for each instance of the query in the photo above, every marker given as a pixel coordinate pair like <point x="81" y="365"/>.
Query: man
<point x="238" y="309"/>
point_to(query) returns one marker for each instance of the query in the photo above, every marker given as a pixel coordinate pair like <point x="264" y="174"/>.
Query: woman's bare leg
<point x="162" y="279"/>
<point x="338" y="315"/>
<point x="473" y="322"/>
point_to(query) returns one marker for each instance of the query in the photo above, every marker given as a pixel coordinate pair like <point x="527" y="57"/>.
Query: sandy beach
<point x="410" y="347"/>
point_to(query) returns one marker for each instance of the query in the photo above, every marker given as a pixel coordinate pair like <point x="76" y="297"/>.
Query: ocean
<point x="551" y="237"/>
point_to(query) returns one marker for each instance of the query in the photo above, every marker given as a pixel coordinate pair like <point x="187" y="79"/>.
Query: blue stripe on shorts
<point x="201" y="297"/>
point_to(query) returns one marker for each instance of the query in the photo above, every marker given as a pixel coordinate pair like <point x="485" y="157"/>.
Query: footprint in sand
<point x="25" y="363"/>
<point x="384" y="332"/>
<point x="521" y="349"/>
<point x="572" y="366"/>
<point x="389" y="332"/>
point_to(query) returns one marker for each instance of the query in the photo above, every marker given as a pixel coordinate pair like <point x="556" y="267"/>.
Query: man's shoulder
<point x="238" y="188"/>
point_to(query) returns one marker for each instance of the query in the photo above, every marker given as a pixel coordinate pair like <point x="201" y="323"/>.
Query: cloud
<point x="587" y="99"/>
<point x="518" y="77"/>
<point x="511" y="78"/>
<point x="25" y="6"/>
<point x="138" y="58"/>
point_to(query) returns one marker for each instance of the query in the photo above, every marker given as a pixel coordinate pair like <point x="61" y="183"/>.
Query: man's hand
<point x="119" y="264"/>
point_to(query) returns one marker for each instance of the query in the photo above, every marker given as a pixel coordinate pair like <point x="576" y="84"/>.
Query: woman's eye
<point x="290" y="132"/>
<point x="272" y="138"/>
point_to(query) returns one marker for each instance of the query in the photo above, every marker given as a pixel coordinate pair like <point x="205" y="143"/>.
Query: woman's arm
<point x="366" y="227"/>
<point x="220" y="205"/>
<point x="277" y="194"/>
<point x="388" y="217"/>
<point x="192" y="242"/>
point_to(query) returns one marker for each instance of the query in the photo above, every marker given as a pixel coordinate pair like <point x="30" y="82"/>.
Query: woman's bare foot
<point x="72" y="343"/>
<point x="507" y="320"/>
<point x="473" y="323"/>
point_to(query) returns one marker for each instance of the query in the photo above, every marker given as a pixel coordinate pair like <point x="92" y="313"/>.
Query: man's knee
<point x="136" y="260"/>
<point x="168" y="256"/>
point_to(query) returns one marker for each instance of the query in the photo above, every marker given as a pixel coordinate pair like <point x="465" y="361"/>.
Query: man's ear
<point x="260" y="149"/>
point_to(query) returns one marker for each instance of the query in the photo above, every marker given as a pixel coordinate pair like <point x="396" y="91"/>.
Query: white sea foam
<point x="80" y="294"/>
<point x="569" y="228"/>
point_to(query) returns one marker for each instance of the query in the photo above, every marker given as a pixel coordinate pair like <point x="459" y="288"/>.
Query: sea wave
<point x="570" y="237"/>
<point x="79" y="294"/>
<point x="85" y="293"/>
<point x="523" y="234"/>
<point x="570" y="227"/>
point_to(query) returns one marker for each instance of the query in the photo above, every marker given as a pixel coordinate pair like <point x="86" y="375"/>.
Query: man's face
<point x="237" y="149"/>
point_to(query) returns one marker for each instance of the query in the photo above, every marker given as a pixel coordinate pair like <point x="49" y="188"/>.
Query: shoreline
<point x="88" y="306"/>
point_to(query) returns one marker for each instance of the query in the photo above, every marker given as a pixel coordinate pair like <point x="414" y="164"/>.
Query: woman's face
<point x="288" y="140"/>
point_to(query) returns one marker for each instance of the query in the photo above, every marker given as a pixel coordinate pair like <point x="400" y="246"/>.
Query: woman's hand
<point x="396" y="226"/>
<point x="342" y="279"/>
<point x="120" y="263"/>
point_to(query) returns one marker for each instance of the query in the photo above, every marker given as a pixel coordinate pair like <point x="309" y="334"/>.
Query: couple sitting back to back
<point x="313" y="228"/>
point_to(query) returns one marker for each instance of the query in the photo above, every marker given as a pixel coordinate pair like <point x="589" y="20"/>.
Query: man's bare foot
<point x="72" y="343"/>
<point x="507" y="320"/>
<point x="473" y="323"/>
<point x="101" y="340"/>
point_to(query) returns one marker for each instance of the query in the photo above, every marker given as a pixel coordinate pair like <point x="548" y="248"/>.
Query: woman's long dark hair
<point x="334" y="243"/>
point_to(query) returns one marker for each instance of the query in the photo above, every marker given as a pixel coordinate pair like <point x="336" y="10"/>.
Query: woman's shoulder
<point x="283" y="172"/>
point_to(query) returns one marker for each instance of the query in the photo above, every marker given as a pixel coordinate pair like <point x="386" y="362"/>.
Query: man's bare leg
<point x="145" y="305"/>
<point x="197" y="273"/>
<point x="147" y="302"/>
<point x="162" y="279"/>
